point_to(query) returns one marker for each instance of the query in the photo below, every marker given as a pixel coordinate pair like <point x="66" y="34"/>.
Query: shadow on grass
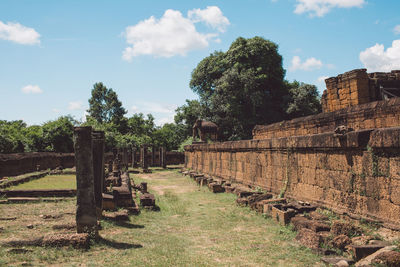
<point x="116" y="244"/>
<point x="123" y="224"/>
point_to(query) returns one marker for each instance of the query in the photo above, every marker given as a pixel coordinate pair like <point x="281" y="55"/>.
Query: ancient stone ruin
<point x="359" y="87"/>
<point x="345" y="159"/>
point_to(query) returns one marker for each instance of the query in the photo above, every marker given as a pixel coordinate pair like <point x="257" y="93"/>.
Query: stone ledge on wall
<point x="378" y="114"/>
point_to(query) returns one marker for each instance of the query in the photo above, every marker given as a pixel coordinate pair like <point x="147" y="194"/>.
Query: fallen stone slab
<point x="240" y="192"/>
<point x="363" y="251"/>
<point x="39" y="193"/>
<point x="340" y="241"/>
<point x="254" y="199"/>
<point x="117" y="216"/>
<point x="282" y="216"/>
<point x="216" y="188"/>
<point x="300" y="222"/>
<point x="268" y="203"/>
<point x="318" y="216"/>
<point x="309" y="238"/>
<point x="345" y="228"/>
<point x="368" y="260"/>
<point x="108" y="202"/>
<point x="387" y="258"/>
<point x="147" y="200"/>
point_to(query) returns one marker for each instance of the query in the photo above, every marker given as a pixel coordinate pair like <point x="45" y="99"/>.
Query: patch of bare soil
<point x="161" y="189"/>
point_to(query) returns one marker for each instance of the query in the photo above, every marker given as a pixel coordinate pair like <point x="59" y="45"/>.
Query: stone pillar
<point x="153" y="156"/>
<point x="134" y="165"/>
<point x="125" y="158"/>
<point x="143" y="157"/>
<point x="163" y="157"/>
<point x="98" y="169"/>
<point x="86" y="219"/>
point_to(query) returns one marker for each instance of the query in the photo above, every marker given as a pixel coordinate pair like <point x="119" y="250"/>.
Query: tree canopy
<point x="242" y="87"/>
<point x="104" y="105"/>
<point x="245" y="86"/>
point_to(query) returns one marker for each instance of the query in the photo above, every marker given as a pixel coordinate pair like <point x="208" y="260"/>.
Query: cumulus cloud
<point x="396" y="29"/>
<point x="18" y="33"/>
<point x="212" y="16"/>
<point x="320" y="7"/>
<point x="164" y="120"/>
<point x="322" y="79"/>
<point x="31" y="89"/>
<point x="308" y="65"/>
<point x="75" y="105"/>
<point x="172" y="34"/>
<point x="376" y="58"/>
<point x="159" y="107"/>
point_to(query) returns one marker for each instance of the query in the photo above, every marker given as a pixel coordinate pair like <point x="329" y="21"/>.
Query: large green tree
<point x="241" y="87"/>
<point x="303" y="100"/>
<point x="104" y="105"/>
<point x="57" y="134"/>
<point x="186" y="115"/>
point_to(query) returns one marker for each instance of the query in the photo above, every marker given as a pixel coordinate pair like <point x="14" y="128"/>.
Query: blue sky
<point x="52" y="52"/>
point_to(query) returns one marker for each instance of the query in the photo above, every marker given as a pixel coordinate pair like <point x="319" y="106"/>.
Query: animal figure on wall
<point x="203" y="129"/>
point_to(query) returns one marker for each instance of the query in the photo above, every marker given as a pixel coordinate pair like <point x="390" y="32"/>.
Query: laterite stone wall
<point x="378" y="114"/>
<point x="357" y="174"/>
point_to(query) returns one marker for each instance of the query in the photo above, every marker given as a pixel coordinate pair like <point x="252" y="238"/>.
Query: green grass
<point x="49" y="182"/>
<point x="194" y="227"/>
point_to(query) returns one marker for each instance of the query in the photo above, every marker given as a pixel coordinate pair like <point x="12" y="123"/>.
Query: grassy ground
<point x="49" y="182"/>
<point x="193" y="228"/>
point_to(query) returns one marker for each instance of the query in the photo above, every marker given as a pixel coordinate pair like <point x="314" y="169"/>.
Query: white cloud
<point x="322" y="79"/>
<point x="164" y="120"/>
<point x="396" y="29"/>
<point x="320" y="7"/>
<point x="18" y="33"/>
<point x="308" y="65"/>
<point x="212" y="16"/>
<point x="159" y="108"/>
<point x="172" y="34"/>
<point x="55" y="110"/>
<point x="134" y="109"/>
<point x="75" y="105"/>
<point x="375" y="58"/>
<point x="31" y="89"/>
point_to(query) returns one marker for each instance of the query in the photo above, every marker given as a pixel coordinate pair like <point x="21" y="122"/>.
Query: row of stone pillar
<point x="144" y="160"/>
<point x="89" y="148"/>
<point x="89" y="162"/>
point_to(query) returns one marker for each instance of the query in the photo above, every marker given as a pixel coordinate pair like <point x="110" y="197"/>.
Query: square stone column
<point x="163" y="157"/>
<point x="134" y="159"/>
<point x="86" y="219"/>
<point x="153" y="156"/>
<point x="98" y="169"/>
<point x="143" y="157"/>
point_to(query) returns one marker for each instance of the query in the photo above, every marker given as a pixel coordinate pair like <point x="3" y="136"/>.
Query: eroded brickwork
<point x="358" y="173"/>
<point x="358" y="87"/>
<point x="378" y="114"/>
